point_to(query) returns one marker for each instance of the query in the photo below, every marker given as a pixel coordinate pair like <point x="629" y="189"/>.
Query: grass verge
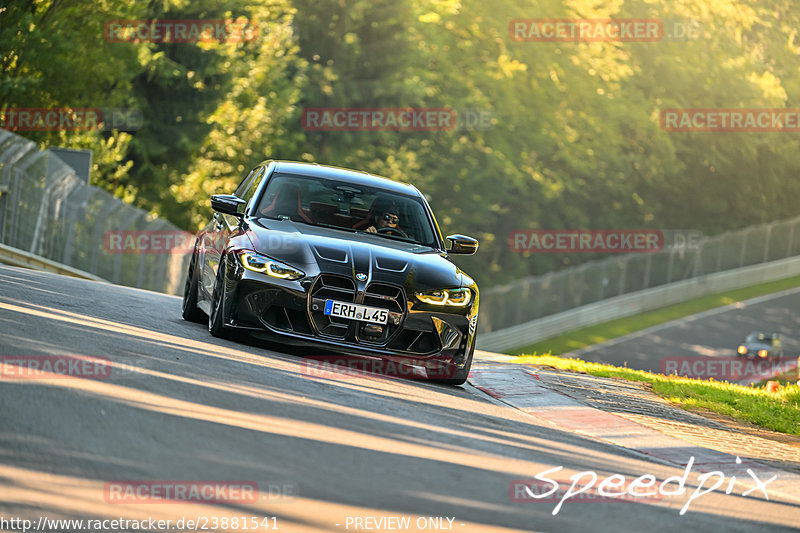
<point x="580" y="338"/>
<point x="778" y="411"/>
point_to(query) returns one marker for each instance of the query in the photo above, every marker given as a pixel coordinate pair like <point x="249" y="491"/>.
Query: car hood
<point x="316" y="249"/>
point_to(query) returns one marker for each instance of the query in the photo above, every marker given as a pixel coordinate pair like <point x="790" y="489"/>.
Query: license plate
<point x="365" y="313"/>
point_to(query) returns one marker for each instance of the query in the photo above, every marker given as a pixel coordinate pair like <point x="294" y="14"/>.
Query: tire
<point x="215" y="322"/>
<point x="460" y="375"/>
<point x="190" y="310"/>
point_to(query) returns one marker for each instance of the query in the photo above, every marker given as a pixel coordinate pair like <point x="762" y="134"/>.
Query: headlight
<point x="456" y="297"/>
<point x="260" y="263"/>
<point x="762" y="353"/>
<point x="742" y="350"/>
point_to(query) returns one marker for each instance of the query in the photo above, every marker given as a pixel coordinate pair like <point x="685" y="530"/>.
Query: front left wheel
<point x="458" y="376"/>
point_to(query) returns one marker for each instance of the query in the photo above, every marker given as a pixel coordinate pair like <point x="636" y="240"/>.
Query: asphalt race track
<point x="714" y="333"/>
<point x="181" y="406"/>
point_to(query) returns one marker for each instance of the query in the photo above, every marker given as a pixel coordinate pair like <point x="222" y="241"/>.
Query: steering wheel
<point x="396" y="231"/>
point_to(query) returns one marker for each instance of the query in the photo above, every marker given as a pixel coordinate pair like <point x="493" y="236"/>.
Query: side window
<point x="247" y="183"/>
<point x="252" y="184"/>
<point x="243" y="185"/>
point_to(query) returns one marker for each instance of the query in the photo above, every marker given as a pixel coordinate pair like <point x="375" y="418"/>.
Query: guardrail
<point x="21" y="258"/>
<point x="62" y="223"/>
<point x="634" y="303"/>
<point x="533" y="298"/>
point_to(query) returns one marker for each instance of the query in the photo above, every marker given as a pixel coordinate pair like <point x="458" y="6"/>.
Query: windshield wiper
<point x="318" y="224"/>
<point x="393" y="237"/>
<point x="332" y="226"/>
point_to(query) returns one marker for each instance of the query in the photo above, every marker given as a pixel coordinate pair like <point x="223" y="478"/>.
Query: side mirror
<point x="227" y="204"/>
<point x="461" y="244"/>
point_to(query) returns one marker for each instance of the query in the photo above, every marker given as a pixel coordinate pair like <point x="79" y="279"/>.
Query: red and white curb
<point x="522" y="389"/>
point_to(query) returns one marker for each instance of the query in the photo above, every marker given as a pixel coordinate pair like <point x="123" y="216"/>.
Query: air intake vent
<point x="328" y="287"/>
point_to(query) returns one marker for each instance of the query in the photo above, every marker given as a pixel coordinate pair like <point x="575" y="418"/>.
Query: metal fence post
<point x="697" y="269"/>
<point x="766" y="243"/>
<point x="72" y="219"/>
<point x="622" y="277"/>
<point x="719" y="254"/>
<point x="744" y="247"/>
<point x="539" y="297"/>
<point x="603" y="280"/>
<point x="118" y="260"/>
<point x="522" y="300"/>
<point x="97" y="239"/>
<point x="670" y="265"/>
<point x="15" y="201"/>
<point x="3" y="202"/>
<point x="581" y="276"/>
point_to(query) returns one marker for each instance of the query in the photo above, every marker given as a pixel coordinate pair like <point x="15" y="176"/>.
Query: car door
<point x="215" y="238"/>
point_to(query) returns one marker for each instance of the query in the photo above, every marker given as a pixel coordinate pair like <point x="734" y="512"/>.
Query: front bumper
<point x="291" y="312"/>
<point x="753" y="355"/>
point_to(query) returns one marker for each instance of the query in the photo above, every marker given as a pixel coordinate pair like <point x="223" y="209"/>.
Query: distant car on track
<point x="320" y="256"/>
<point x="759" y="345"/>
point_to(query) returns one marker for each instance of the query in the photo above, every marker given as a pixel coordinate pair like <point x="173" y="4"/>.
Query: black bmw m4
<point x="341" y="260"/>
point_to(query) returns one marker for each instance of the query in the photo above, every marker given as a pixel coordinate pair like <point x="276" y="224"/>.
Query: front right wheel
<point x="216" y="324"/>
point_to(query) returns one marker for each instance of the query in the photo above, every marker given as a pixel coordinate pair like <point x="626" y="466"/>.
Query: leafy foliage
<point x="574" y="139"/>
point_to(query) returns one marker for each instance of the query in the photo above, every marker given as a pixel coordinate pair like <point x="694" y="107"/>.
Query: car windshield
<point x="341" y="205"/>
<point x="759" y="337"/>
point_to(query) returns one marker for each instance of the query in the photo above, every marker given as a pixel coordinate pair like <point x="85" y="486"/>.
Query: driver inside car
<point x="385" y="218"/>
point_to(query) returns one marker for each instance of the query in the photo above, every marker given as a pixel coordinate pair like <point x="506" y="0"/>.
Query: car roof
<point x="352" y="176"/>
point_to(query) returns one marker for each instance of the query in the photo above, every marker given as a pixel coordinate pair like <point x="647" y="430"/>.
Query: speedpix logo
<point x="588" y="486"/>
<point x="585" y="241"/>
